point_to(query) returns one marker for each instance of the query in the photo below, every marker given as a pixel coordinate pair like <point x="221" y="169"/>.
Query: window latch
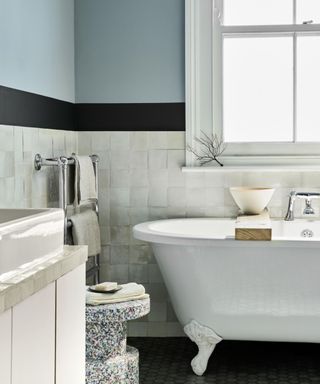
<point x="308" y="22"/>
<point x="218" y="14"/>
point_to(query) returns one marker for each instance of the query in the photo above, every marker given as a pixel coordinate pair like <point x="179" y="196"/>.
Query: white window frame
<point x="204" y="89"/>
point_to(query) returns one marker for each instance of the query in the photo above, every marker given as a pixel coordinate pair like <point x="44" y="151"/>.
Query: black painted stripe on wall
<point x="31" y="110"/>
<point x="130" y="117"/>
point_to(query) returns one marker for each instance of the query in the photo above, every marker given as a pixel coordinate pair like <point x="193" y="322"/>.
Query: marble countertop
<point x="32" y="278"/>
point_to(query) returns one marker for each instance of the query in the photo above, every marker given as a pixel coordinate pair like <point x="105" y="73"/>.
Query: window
<point x="271" y="61"/>
<point x="308" y="86"/>
<point x="252" y="76"/>
<point x="257" y="12"/>
<point x="258" y="89"/>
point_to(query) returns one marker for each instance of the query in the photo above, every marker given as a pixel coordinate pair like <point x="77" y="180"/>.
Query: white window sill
<point x="252" y="168"/>
<point x="260" y="164"/>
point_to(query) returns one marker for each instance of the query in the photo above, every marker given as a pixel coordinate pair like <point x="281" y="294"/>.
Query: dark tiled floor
<point x="167" y="361"/>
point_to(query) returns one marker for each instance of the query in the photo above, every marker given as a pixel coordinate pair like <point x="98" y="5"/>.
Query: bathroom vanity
<point x="42" y="300"/>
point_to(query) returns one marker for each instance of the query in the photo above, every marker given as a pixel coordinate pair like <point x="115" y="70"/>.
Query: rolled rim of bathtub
<point x="220" y="232"/>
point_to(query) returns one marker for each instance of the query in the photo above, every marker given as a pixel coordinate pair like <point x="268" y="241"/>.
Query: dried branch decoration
<point x="212" y="147"/>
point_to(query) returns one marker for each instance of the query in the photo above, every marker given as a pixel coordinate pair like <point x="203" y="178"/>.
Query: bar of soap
<point x="262" y="221"/>
<point x="106" y="286"/>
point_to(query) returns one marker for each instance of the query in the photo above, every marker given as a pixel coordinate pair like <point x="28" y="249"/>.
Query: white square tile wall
<point x="20" y="185"/>
<point x="140" y="180"/>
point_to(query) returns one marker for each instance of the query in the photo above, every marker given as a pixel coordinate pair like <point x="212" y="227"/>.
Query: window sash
<point x="296" y="8"/>
<point x="293" y="31"/>
<point x="274" y="29"/>
<point x="203" y="88"/>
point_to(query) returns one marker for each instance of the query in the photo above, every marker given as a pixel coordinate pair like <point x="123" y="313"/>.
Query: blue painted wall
<point x="37" y="46"/>
<point x="129" y="51"/>
<point x="126" y="50"/>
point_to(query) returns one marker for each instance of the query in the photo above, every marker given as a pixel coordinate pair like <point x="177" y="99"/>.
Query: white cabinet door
<point x="33" y="339"/>
<point x="70" y="342"/>
<point x="5" y="347"/>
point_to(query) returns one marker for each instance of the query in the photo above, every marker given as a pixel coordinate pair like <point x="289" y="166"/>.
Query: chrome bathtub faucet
<point x="307" y="196"/>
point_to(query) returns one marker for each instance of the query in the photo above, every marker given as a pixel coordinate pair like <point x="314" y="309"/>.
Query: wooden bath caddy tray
<point x="254" y="227"/>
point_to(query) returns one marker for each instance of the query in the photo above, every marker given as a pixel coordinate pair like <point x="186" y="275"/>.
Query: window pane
<point x="308" y="85"/>
<point x="258" y="89"/>
<point x="308" y="10"/>
<point x="257" y="12"/>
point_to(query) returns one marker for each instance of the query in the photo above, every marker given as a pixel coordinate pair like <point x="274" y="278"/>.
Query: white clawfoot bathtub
<point x="239" y="290"/>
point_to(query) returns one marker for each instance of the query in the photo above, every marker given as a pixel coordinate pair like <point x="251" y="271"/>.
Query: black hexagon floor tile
<point x="167" y="361"/>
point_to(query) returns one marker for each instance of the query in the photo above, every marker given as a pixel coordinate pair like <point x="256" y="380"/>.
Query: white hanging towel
<point x="86" y="231"/>
<point x="85" y="181"/>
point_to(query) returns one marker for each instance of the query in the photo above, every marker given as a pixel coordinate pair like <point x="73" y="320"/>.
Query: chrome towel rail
<point x="62" y="163"/>
<point x="40" y="162"/>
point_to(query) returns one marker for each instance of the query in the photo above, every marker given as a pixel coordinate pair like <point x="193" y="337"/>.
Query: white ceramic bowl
<point x="251" y="201"/>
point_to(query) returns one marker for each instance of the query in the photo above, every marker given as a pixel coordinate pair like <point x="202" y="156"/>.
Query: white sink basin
<point x="27" y="235"/>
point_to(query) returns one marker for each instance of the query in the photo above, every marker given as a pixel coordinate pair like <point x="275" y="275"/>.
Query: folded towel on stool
<point x="130" y="291"/>
<point x="86" y="231"/>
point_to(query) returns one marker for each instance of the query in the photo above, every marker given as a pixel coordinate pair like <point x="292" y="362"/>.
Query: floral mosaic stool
<point x="109" y="360"/>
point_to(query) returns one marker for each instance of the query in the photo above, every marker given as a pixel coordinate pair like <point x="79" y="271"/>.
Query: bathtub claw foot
<point x="206" y="340"/>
